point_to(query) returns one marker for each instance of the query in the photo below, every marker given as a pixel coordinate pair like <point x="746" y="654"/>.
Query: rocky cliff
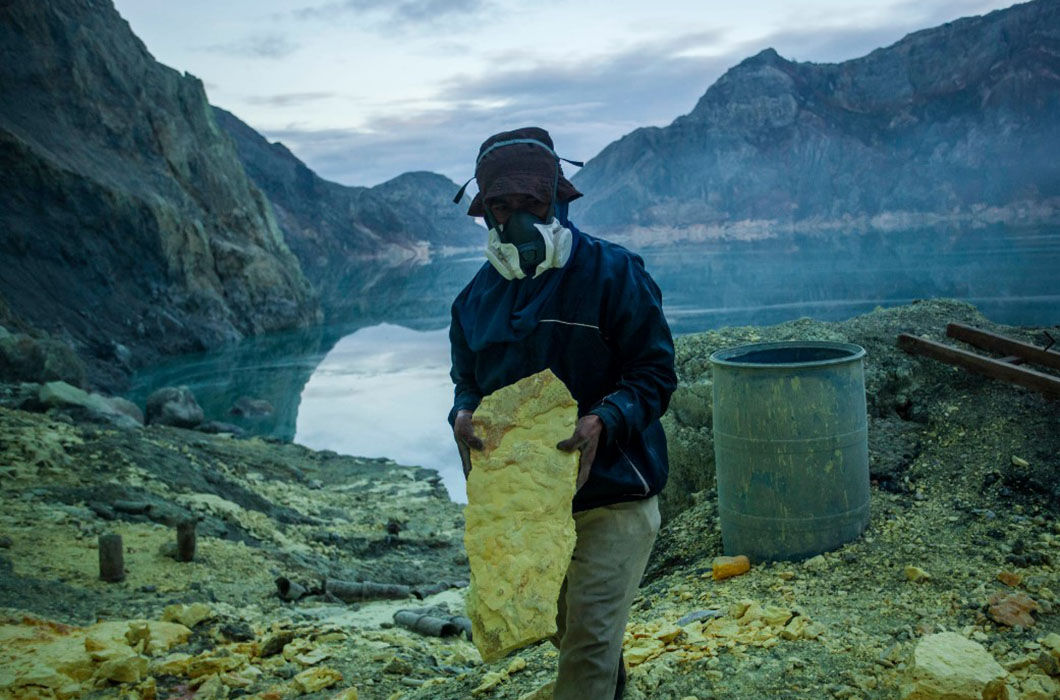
<point x="958" y="121"/>
<point x="129" y="227"/>
<point x="342" y="235"/>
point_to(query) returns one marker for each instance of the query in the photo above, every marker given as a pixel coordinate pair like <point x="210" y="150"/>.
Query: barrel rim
<point x="721" y="357"/>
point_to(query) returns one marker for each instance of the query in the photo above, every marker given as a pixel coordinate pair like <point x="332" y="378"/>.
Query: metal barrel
<point x="790" y="447"/>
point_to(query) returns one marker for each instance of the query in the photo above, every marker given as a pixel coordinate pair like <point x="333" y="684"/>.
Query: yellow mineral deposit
<point x="519" y="531"/>
<point x="747" y="624"/>
<point x="47" y="659"/>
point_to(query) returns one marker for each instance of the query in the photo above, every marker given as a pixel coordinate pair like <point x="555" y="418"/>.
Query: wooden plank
<point x="1002" y="345"/>
<point x="1032" y="379"/>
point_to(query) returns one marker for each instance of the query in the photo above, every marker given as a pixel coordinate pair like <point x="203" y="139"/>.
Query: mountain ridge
<point x="952" y="122"/>
<point x="337" y="231"/>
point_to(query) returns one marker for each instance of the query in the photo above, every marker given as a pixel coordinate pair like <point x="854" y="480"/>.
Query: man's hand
<point x="585" y="439"/>
<point x="466" y="440"/>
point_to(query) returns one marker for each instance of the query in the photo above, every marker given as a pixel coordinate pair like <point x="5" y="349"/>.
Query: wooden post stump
<point x="186" y="540"/>
<point x="111" y="558"/>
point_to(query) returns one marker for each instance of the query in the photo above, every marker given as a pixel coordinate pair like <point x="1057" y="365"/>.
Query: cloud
<point x="289" y="99"/>
<point x="585" y="104"/>
<point x="258" y="46"/>
<point x="395" y="12"/>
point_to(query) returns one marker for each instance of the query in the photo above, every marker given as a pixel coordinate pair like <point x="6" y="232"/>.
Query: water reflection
<point x="363" y="388"/>
<point x="385" y="391"/>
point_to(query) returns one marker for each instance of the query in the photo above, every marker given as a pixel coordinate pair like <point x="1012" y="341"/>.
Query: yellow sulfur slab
<point x="519" y="531"/>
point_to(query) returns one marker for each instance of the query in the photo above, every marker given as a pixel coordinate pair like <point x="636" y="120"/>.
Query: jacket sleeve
<point x="634" y="323"/>
<point x="466" y="392"/>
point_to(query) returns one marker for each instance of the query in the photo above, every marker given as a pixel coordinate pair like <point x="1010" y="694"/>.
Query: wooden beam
<point x="1032" y="379"/>
<point x="1002" y="345"/>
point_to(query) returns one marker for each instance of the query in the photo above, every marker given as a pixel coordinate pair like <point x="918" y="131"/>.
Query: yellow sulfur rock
<point x="1039" y="687"/>
<point x="172" y="665"/>
<point x="545" y="692"/>
<point x="640" y="649"/>
<point x="317" y="678"/>
<point x="519" y="531"/>
<point x="1051" y="642"/>
<point x="776" y="615"/>
<point x="489" y="682"/>
<point x="668" y="633"/>
<point x="348" y="694"/>
<point x="187" y="615"/>
<point x="916" y="574"/>
<point x="129" y="669"/>
<point x="59" y="660"/>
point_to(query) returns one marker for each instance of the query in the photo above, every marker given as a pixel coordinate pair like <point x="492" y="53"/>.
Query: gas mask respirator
<point x="526" y="246"/>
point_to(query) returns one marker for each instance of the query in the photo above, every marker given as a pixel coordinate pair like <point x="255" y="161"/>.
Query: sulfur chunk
<point x="519" y="530"/>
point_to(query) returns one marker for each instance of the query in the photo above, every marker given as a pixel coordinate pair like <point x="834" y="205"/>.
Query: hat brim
<point x="527" y="183"/>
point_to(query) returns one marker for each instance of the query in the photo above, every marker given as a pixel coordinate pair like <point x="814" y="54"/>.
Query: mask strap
<point x="463" y="188"/>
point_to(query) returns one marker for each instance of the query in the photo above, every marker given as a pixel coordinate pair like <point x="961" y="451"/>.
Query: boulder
<point x="174" y="406"/>
<point x="127" y="407"/>
<point x="947" y="666"/>
<point x="247" y="406"/>
<point x="27" y="359"/>
<point x="217" y="427"/>
<point x="90" y="407"/>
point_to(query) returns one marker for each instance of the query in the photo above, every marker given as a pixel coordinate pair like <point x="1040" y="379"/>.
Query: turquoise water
<point x="378" y="385"/>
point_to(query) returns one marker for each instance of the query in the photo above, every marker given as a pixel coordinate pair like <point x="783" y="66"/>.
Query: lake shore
<point x="964" y="491"/>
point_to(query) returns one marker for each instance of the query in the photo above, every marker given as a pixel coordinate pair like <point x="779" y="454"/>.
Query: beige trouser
<point x="605" y="570"/>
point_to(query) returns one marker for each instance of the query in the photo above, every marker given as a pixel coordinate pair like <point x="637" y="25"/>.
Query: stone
<point x="519" y="532"/>
<point x="1051" y="643"/>
<point x="775" y="615"/>
<point x="212" y="688"/>
<point x="347" y="694"/>
<point x="1012" y="610"/>
<point x="947" y="666"/>
<point x="93" y="407"/>
<point x="129" y="669"/>
<point x="727" y="567"/>
<point x="1009" y="578"/>
<point x="175" y="406"/>
<point x="545" y="692"/>
<point x="24" y="358"/>
<point x="187" y="615"/>
<point x="63" y="659"/>
<point x="127" y="407"/>
<point x="816" y="563"/>
<point x="1039" y="687"/>
<point x="247" y="406"/>
<point x="317" y="678"/>
<point x="916" y="574"/>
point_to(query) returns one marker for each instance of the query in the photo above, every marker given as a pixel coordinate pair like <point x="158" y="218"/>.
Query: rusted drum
<point x="790" y="447"/>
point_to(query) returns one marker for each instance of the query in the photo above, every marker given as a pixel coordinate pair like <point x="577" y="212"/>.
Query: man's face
<point x="503" y="206"/>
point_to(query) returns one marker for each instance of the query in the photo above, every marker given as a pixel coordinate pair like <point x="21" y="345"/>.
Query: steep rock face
<point x="126" y="219"/>
<point x="343" y="234"/>
<point x="948" y="121"/>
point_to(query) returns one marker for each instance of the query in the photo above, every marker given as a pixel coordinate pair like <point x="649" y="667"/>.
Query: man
<point x="552" y="297"/>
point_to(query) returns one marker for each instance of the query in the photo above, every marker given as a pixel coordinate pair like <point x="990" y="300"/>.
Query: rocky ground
<point x="964" y="537"/>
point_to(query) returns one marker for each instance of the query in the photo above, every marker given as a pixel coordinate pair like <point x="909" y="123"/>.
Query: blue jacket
<point x="598" y="324"/>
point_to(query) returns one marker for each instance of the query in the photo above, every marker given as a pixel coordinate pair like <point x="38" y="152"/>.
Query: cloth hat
<point x="519" y="168"/>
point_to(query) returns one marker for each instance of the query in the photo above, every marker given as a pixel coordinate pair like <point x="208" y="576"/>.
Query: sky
<point x="364" y="90"/>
